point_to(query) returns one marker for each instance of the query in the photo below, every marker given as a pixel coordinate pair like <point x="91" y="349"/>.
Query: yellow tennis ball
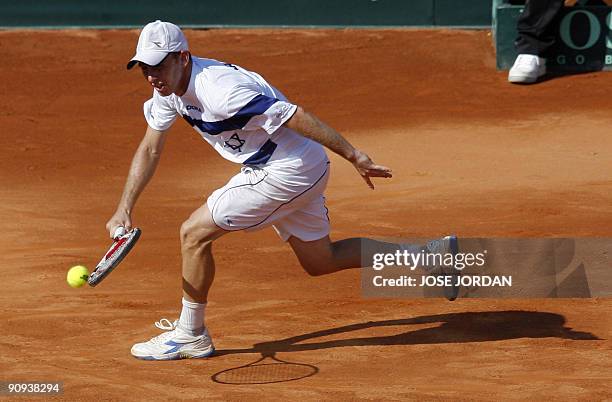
<point x="77" y="276"/>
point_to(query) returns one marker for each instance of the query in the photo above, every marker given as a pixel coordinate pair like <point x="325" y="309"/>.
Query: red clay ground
<point x="471" y="155"/>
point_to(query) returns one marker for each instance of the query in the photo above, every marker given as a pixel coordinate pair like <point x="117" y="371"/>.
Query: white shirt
<point x="239" y="114"/>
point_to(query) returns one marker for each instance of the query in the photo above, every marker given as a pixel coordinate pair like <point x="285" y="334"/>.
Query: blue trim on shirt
<point x="256" y="106"/>
<point x="263" y="155"/>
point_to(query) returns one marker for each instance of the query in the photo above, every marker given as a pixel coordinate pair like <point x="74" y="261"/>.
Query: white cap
<point x="156" y="40"/>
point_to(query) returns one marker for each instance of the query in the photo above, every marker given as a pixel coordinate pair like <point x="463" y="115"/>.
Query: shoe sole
<point x="183" y="354"/>
<point x="522" y="80"/>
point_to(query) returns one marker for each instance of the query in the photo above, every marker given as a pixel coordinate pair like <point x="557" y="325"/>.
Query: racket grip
<point x="120" y="231"/>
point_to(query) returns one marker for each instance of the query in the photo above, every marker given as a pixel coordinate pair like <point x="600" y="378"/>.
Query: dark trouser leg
<point x="536" y="27"/>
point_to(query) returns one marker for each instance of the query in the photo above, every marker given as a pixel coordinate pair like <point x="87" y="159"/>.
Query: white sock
<point x="192" y="317"/>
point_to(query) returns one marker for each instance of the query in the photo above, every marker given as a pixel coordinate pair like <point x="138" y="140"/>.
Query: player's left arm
<point x="311" y="127"/>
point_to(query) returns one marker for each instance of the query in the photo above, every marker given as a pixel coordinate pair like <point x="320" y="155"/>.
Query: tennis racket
<point x="122" y="244"/>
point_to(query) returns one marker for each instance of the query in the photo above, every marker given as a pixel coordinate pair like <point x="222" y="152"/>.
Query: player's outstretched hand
<point x="367" y="168"/>
<point x="120" y="218"/>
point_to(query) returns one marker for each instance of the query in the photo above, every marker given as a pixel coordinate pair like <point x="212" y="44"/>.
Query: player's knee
<point x="194" y="235"/>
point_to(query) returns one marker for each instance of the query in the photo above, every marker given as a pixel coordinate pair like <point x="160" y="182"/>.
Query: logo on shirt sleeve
<point x="282" y="111"/>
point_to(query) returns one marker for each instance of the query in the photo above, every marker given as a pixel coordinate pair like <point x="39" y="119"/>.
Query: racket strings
<point x="264" y="373"/>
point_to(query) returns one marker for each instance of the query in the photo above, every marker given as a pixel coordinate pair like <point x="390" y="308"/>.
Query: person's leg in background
<point x="536" y="34"/>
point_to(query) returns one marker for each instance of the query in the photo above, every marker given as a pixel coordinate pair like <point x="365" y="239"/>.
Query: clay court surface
<point x="471" y="154"/>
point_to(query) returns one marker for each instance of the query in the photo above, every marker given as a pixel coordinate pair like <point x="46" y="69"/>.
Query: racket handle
<point x="120" y="231"/>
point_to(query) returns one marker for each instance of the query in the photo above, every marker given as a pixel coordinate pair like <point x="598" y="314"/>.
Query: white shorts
<point x="293" y="203"/>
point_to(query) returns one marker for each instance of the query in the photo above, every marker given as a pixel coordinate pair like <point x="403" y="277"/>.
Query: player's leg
<point x="188" y="338"/>
<point x="241" y="204"/>
<point x="197" y="236"/>
<point x="306" y="228"/>
<point x="322" y="256"/>
<point x="307" y="231"/>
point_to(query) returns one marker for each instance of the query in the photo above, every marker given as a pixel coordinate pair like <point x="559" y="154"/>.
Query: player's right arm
<point x="143" y="167"/>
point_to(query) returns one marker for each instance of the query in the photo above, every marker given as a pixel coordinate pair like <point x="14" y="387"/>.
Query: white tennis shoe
<point x="527" y="69"/>
<point x="442" y="247"/>
<point x="174" y="344"/>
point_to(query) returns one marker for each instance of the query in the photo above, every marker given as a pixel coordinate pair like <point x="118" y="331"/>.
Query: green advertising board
<point x="245" y="13"/>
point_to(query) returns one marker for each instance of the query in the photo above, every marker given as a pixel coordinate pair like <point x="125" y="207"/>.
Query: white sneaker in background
<point x="527" y="69"/>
